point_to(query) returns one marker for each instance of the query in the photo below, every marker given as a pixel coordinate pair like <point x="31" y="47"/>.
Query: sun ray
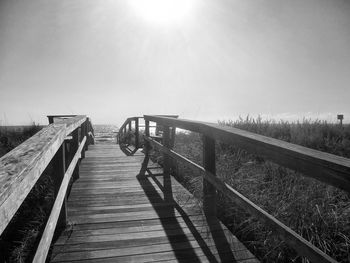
<point x="163" y="11"/>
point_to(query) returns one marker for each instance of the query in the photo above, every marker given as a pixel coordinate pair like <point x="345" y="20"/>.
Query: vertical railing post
<point x="86" y="124"/>
<point x="172" y="137"/>
<point x="90" y="129"/>
<point x="147" y="148"/>
<point x="59" y="169"/>
<point x="209" y="191"/>
<point x="136" y="133"/>
<point x="50" y="119"/>
<point x="73" y="150"/>
<point x="86" y="133"/>
<point x="147" y="134"/>
<point x="82" y="134"/>
<point x="168" y="195"/>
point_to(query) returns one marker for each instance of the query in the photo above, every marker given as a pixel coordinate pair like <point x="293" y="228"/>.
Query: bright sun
<point x="163" y="11"/>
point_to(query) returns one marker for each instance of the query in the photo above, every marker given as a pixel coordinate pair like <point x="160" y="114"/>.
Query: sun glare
<point x="163" y="11"/>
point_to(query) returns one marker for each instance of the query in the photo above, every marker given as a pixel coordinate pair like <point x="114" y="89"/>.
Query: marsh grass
<point x="318" y="212"/>
<point x="20" y="238"/>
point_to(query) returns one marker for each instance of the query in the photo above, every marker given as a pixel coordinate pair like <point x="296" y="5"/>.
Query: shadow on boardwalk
<point x="180" y="243"/>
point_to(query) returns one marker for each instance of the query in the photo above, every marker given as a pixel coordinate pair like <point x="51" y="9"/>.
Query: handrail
<point x="21" y="168"/>
<point x="44" y="245"/>
<point x="326" y="167"/>
<point x="332" y="169"/>
<point x="126" y="136"/>
<point x="125" y="133"/>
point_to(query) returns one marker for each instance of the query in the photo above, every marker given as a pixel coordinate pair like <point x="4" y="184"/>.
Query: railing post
<point x="86" y="128"/>
<point x="82" y="134"/>
<point x="147" y="134"/>
<point x="137" y="133"/>
<point x="168" y="195"/>
<point x="172" y="137"/>
<point x="73" y="150"/>
<point x="59" y="169"/>
<point x="50" y="119"/>
<point x="209" y="191"/>
<point x="90" y="129"/>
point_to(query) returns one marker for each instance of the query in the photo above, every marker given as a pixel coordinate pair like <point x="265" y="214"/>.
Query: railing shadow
<point x="215" y="229"/>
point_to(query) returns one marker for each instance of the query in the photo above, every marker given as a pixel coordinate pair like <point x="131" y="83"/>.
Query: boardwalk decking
<point x="117" y="214"/>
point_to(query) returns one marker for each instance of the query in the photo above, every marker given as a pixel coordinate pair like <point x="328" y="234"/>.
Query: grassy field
<point x="22" y="235"/>
<point x="318" y="212"/>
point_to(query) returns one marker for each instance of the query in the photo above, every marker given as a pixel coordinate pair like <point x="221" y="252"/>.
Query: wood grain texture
<point x="22" y="167"/>
<point x="119" y="214"/>
<point x="44" y="245"/>
<point x="328" y="168"/>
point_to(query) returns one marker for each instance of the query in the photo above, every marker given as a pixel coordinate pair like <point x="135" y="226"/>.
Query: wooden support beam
<point x="168" y="195"/>
<point x="137" y="133"/>
<point x="74" y="148"/>
<point x="59" y="169"/>
<point x="83" y="133"/>
<point x="44" y="245"/>
<point x="325" y="167"/>
<point x="209" y="191"/>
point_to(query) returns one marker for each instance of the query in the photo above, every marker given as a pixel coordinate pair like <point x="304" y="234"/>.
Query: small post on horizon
<point x="340" y="118"/>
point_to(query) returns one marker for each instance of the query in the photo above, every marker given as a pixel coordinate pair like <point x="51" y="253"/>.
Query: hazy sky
<point x="201" y="59"/>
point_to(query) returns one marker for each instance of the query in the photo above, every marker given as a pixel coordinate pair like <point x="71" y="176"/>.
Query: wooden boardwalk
<point x="118" y="214"/>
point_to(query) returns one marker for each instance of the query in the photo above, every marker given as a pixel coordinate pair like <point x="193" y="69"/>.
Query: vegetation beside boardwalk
<point x="318" y="212"/>
<point x="22" y="235"/>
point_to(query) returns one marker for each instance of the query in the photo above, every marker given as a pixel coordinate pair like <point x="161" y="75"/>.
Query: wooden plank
<point x="22" y="167"/>
<point x="328" y="168"/>
<point x="170" y="256"/>
<point x="191" y="246"/>
<point x="72" y="123"/>
<point x="45" y="241"/>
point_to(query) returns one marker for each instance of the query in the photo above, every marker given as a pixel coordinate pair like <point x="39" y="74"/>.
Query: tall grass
<point x="318" y="212"/>
<point x="21" y="236"/>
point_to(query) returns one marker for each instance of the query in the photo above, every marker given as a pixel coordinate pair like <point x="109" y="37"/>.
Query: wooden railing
<point x="129" y="133"/>
<point x="328" y="168"/>
<point x="63" y="143"/>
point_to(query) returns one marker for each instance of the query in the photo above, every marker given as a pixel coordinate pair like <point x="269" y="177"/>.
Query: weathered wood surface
<point x="44" y="245"/>
<point x="72" y="123"/>
<point x="119" y="215"/>
<point x="329" y="168"/>
<point x="22" y="167"/>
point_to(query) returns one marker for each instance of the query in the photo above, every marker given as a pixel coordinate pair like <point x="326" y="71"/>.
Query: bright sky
<point x="201" y="59"/>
